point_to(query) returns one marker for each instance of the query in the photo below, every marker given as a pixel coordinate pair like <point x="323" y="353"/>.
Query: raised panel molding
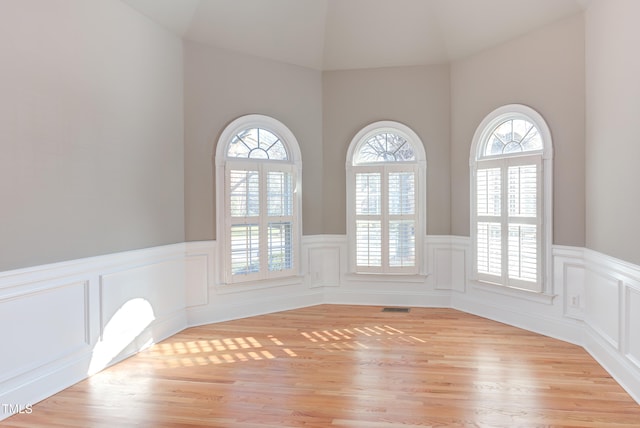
<point x="54" y="319"/>
<point x="632" y="325"/>
<point x="68" y="306"/>
<point x="322" y="260"/>
<point x="602" y="294"/>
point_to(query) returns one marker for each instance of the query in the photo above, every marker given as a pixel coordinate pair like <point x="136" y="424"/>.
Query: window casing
<point x="511" y="200"/>
<point x="258" y="216"/>
<point x="386" y="189"/>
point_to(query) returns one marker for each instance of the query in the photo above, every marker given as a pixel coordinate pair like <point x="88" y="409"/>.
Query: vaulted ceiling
<point x="350" y="34"/>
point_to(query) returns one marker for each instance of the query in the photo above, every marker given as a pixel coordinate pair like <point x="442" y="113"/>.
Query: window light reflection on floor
<point x="202" y="352"/>
<point x="218" y="351"/>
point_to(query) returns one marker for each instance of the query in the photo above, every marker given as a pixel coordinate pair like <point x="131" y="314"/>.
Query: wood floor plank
<point x="347" y="366"/>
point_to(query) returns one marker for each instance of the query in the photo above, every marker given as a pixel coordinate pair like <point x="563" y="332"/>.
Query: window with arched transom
<point x="511" y="205"/>
<point x="258" y="202"/>
<point x="386" y="189"/>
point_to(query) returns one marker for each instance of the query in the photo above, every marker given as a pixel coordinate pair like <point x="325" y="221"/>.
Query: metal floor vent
<point x="404" y="310"/>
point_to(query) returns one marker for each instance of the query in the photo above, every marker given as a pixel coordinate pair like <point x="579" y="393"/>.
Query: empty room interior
<point x="358" y="213"/>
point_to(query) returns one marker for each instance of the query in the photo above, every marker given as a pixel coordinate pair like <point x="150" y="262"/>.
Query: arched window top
<point x="257" y="137"/>
<point x="385" y="142"/>
<point x="257" y="143"/>
<point x="511" y="130"/>
<point x="513" y="136"/>
<point x="385" y="147"/>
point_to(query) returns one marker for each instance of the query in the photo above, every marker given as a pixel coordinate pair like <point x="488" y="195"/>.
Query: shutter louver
<point x="523" y="252"/>
<point x="402" y="203"/>
<point x="244" y="193"/>
<point x="523" y="236"/>
<point x="402" y="198"/>
<point x="368" y="194"/>
<point x="368" y="243"/>
<point x="279" y="193"/>
<point x="245" y="249"/>
<point x="280" y="246"/>
<point x="489" y="248"/>
<point x="402" y="243"/>
<point x="523" y="185"/>
<point x="489" y="192"/>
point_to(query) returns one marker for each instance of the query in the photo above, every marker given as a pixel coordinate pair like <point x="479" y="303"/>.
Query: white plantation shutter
<point x="385" y="220"/>
<point x="489" y="248"/>
<point x="507" y="224"/>
<point x="489" y="192"/>
<point x="522" y="193"/>
<point x="368" y="200"/>
<point x="368" y="194"/>
<point x="245" y="249"/>
<point x="280" y="208"/>
<point x="402" y="218"/>
<point x="524" y="224"/>
<point x="523" y="252"/>
<point x="369" y="244"/>
<point x="260" y="214"/>
<point x="489" y="227"/>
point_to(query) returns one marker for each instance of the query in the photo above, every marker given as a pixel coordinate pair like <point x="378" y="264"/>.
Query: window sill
<point x="240" y="287"/>
<point x="519" y="293"/>
<point x="386" y="277"/>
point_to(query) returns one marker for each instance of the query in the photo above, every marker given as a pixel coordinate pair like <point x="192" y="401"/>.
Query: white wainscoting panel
<point x="448" y="262"/>
<point x="225" y="302"/>
<point x="200" y="275"/>
<point x="602" y="294"/>
<point x="569" y="279"/>
<point x="41" y="327"/>
<point x="322" y="257"/>
<point x="612" y="319"/>
<point x="71" y="319"/>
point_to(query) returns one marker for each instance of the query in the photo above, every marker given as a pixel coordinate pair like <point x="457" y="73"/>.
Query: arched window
<point x="386" y="168"/>
<point x="511" y="198"/>
<point x="258" y="178"/>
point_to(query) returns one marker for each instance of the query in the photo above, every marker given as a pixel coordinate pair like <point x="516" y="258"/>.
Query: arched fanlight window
<point x="386" y="146"/>
<point x="257" y="143"/>
<point x="258" y="178"/>
<point x="511" y="199"/>
<point x="386" y="169"/>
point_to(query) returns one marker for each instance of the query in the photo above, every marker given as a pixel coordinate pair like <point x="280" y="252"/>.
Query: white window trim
<point x="221" y="161"/>
<point x="486" y="127"/>
<point x="419" y="165"/>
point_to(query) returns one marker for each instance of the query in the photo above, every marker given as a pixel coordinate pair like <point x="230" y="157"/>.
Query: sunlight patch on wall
<point x="122" y="329"/>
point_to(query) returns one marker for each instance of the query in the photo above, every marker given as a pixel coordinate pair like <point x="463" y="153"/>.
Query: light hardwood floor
<point x="347" y="366"/>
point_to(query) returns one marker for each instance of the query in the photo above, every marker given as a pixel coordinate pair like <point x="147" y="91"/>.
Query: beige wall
<point x="97" y="158"/>
<point x="544" y="70"/>
<point x="91" y="131"/>
<point x="613" y="115"/>
<point x="415" y="96"/>
<point x="221" y="86"/>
